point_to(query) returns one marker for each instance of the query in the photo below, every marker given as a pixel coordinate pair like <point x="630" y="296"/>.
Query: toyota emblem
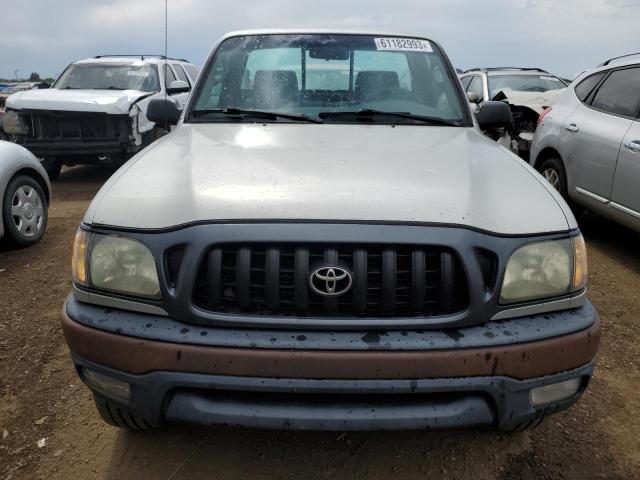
<point x="330" y="281"/>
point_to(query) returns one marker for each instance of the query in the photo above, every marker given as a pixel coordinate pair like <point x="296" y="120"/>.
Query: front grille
<point x="60" y="125"/>
<point x="388" y="281"/>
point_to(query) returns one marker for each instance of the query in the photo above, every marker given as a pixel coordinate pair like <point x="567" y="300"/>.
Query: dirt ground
<point x="41" y="397"/>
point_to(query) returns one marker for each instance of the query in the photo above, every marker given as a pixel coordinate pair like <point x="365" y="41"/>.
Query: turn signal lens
<point x="580" y="271"/>
<point x="79" y="258"/>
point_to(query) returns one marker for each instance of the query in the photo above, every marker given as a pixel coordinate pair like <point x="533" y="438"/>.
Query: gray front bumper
<point x="336" y="405"/>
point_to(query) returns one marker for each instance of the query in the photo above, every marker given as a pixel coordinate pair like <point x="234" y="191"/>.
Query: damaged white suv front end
<point x="96" y="110"/>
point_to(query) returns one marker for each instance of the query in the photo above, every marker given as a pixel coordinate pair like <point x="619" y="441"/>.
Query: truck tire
<point x="53" y="166"/>
<point x="119" y="417"/>
<point x="525" y="426"/>
<point x="553" y="170"/>
<point x="24" y="211"/>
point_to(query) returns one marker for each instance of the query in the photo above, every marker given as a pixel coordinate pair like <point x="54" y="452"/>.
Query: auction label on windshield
<point x="403" y="44"/>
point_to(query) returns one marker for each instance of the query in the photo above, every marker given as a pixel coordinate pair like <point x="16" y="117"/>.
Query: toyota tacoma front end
<point x="330" y="244"/>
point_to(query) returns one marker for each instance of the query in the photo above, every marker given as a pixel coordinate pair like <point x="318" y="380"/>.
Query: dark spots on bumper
<point x="456" y="335"/>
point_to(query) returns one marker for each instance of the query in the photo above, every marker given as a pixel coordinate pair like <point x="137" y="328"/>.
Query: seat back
<point x="272" y="88"/>
<point x="369" y="82"/>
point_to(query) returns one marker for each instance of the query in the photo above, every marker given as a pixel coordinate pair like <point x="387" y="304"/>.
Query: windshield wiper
<point x="255" y="113"/>
<point x="370" y="114"/>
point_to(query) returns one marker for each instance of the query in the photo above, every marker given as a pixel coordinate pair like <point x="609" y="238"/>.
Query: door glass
<point x="180" y="73"/>
<point x="586" y="86"/>
<point x="168" y="75"/>
<point x="465" y="82"/>
<point x="476" y="87"/>
<point x="620" y="93"/>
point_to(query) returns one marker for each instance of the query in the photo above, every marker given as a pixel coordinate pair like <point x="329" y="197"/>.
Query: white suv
<point x="588" y="144"/>
<point x="96" y="109"/>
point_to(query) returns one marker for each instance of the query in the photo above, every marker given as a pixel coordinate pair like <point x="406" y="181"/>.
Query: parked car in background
<point x="328" y="241"/>
<point x="9" y="89"/>
<point x="588" y="144"/>
<point x="96" y="110"/>
<point x="25" y="193"/>
<point x="528" y="91"/>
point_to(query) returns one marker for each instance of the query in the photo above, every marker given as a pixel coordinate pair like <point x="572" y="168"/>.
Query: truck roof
<point x="320" y="31"/>
<point x="124" y="58"/>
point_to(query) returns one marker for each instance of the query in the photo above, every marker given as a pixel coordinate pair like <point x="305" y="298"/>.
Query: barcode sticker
<point x="403" y="44"/>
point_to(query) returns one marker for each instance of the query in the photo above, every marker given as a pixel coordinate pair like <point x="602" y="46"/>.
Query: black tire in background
<point x="24" y="211"/>
<point x="53" y="166"/>
<point x="553" y="170"/>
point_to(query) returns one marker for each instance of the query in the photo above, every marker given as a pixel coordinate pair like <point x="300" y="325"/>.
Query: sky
<point x="562" y="36"/>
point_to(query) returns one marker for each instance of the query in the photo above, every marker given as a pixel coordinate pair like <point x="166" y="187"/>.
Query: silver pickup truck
<point x="328" y="241"/>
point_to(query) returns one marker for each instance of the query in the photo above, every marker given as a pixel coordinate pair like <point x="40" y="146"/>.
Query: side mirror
<point x="178" y="86"/>
<point x="473" y="97"/>
<point x="492" y="115"/>
<point x="163" y="112"/>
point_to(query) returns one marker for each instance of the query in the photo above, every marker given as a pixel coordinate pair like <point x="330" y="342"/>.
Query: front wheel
<point x="53" y="166"/>
<point x="24" y="211"/>
<point x="553" y="170"/>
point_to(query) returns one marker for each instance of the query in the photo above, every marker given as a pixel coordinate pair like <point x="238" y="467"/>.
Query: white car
<point x="588" y="144"/>
<point x="96" y="109"/>
<point x="25" y="193"/>
<point x="527" y="91"/>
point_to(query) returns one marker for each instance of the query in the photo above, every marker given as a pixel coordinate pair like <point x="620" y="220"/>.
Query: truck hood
<point x="106" y="101"/>
<point x="252" y="172"/>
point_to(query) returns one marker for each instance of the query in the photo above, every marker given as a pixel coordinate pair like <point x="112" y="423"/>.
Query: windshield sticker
<point x="137" y="73"/>
<point x="400" y="44"/>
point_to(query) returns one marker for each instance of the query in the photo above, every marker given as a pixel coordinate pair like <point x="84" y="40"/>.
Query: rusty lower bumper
<point x="246" y="378"/>
<point x="521" y="361"/>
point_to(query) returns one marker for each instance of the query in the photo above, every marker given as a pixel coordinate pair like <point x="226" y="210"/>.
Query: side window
<point x="193" y="72"/>
<point x="586" y="86"/>
<point x="168" y="75"/>
<point x="181" y="73"/>
<point x="620" y="93"/>
<point x="465" y="82"/>
<point x="475" y="86"/>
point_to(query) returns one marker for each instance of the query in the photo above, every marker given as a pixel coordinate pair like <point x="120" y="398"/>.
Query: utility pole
<point x="15" y="72"/>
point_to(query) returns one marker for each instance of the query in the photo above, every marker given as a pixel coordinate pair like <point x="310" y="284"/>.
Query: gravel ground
<point x="41" y="397"/>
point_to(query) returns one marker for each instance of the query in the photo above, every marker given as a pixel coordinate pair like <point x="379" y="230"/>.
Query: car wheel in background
<point x="24" y="211"/>
<point x="53" y="166"/>
<point x="553" y="170"/>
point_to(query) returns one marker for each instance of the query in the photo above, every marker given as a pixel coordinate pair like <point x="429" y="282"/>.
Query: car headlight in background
<point x="544" y="270"/>
<point x="12" y="124"/>
<point x="115" y="264"/>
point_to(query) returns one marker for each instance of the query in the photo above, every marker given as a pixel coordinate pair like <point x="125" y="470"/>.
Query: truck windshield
<point x="109" y="76"/>
<point x="327" y="77"/>
<point x="524" y="83"/>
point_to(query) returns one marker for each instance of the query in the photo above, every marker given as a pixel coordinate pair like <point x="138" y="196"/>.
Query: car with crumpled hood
<point x="327" y="241"/>
<point x="527" y="91"/>
<point x="95" y="112"/>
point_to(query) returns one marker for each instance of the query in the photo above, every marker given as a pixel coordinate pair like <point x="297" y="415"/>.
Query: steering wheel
<point x="394" y="93"/>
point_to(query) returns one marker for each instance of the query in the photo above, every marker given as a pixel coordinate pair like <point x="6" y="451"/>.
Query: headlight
<point x="12" y="124"/>
<point x="544" y="270"/>
<point x="115" y="264"/>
